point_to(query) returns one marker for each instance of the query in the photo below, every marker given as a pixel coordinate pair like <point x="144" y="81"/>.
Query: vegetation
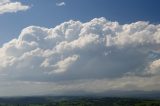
<point x="79" y="101"/>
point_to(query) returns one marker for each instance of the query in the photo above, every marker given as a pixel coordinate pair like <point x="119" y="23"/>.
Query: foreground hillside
<point x="76" y="101"/>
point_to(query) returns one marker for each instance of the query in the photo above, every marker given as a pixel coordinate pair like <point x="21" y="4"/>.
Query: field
<point x="77" y="101"/>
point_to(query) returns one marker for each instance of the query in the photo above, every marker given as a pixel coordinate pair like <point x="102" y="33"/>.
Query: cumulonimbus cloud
<point x="6" y="6"/>
<point x="78" y="56"/>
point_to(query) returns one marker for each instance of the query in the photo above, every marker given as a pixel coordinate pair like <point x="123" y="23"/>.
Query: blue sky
<point x="45" y="13"/>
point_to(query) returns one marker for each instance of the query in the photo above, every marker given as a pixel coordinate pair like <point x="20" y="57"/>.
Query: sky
<point x="79" y="47"/>
<point x="47" y="14"/>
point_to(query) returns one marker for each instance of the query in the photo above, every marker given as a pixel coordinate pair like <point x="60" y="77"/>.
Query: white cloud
<point x="4" y="1"/>
<point x="6" y="6"/>
<point x="62" y="65"/>
<point x="92" y="57"/>
<point x="154" y="67"/>
<point x="61" y="4"/>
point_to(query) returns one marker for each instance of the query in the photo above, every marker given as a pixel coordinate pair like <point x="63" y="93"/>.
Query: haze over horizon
<point x="68" y="47"/>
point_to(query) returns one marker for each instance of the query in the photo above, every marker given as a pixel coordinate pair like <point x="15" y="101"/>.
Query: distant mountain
<point x="115" y="93"/>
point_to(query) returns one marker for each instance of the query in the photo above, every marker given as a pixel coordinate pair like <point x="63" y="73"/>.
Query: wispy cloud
<point x="6" y="6"/>
<point x="61" y="4"/>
